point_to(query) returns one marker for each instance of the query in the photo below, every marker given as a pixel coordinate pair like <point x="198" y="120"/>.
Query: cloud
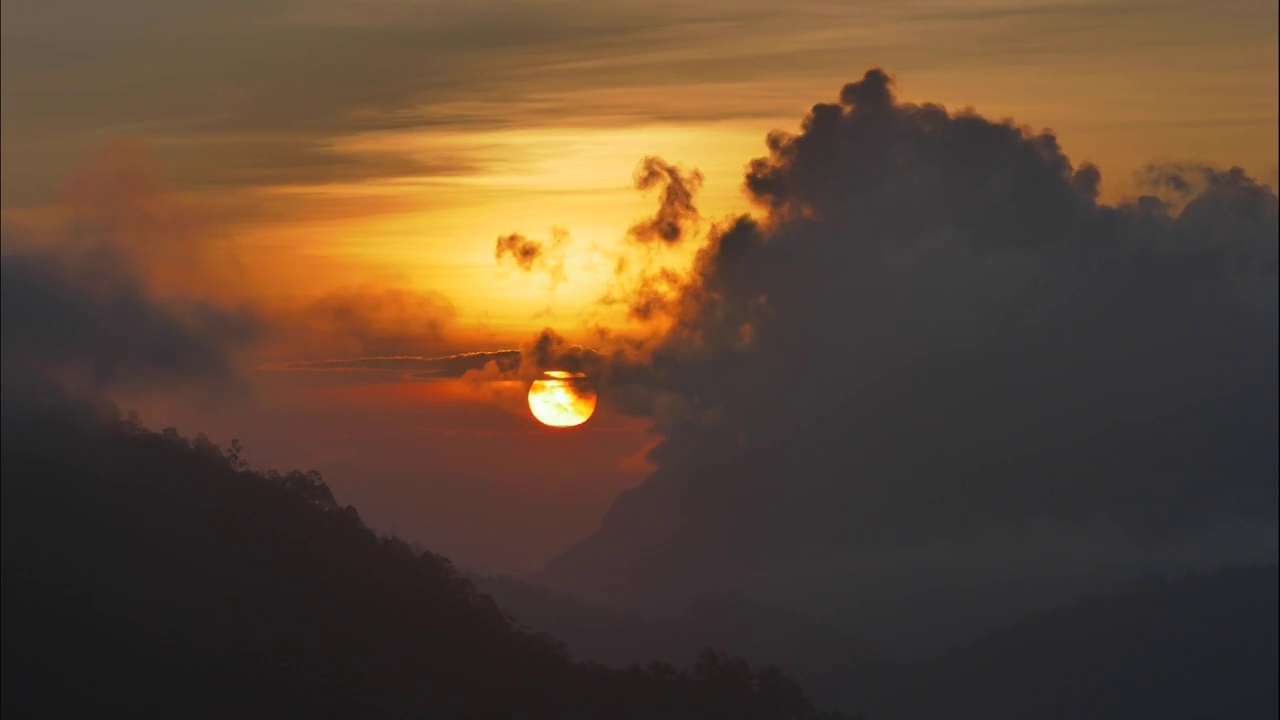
<point x="129" y="291"/>
<point x="547" y="350"/>
<point x="677" y="215"/>
<point x="647" y="287"/>
<point x="101" y="324"/>
<point x="121" y="293"/>
<point x="523" y="251"/>
<point x="654" y="293"/>
<point x="443" y="367"/>
<point x="260" y="112"/>
<point x="232" y="94"/>
<point x="529" y="255"/>
<point x="368" y="321"/>
<point x="932" y="334"/>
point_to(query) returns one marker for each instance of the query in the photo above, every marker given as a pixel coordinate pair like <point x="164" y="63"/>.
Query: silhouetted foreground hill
<point x="153" y="575"/>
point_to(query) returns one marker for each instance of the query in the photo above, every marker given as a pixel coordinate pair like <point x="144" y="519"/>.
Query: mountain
<point x="1202" y="645"/>
<point x="158" y="576"/>
<point x="833" y="667"/>
<point x="148" y="573"/>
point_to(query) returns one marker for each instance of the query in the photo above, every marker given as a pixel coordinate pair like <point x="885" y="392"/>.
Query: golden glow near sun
<point x="562" y="399"/>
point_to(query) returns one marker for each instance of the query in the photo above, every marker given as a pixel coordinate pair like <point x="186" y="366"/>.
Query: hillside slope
<point x="159" y="576"/>
<point x="1202" y="646"/>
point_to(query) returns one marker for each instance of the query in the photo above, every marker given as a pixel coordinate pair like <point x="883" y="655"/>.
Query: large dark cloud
<point x="934" y="338"/>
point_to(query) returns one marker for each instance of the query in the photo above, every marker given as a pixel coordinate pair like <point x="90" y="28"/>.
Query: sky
<point x="283" y="221"/>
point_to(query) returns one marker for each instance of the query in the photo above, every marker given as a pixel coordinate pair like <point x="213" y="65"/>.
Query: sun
<point x="562" y="399"/>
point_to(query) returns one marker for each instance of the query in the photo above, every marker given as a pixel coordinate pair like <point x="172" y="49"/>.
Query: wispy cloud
<point x="400" y="367"/>
<point x="242" y="76"/>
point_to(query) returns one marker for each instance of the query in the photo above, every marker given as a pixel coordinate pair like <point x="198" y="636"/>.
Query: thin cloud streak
<point x="428" y="66"/>
<point x="443" y="367"/>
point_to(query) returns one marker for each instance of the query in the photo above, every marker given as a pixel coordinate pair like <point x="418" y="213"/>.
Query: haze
<point x="912" y="319"/>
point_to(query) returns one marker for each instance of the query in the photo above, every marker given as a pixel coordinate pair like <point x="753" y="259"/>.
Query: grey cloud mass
<point x="933" y="338"/>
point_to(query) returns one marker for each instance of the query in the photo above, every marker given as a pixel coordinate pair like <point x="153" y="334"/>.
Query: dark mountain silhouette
<point x="160" y="577"/>
<point x="148" y="573"/>
<point x="1199" y="646"/>
<point x="833" y="667"/>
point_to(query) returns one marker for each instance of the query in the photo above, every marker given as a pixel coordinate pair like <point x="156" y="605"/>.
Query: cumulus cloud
<point x="932" y="333"/>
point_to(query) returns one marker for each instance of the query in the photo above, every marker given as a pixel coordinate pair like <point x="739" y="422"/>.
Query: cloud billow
<point x="677" y="215"/>
<point x="530" y="255"/>
<point x="933" y="332"/>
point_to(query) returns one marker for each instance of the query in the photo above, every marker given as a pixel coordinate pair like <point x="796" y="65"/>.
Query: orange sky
<point x="367" y="148"/>
<point x="412" y="188"/>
